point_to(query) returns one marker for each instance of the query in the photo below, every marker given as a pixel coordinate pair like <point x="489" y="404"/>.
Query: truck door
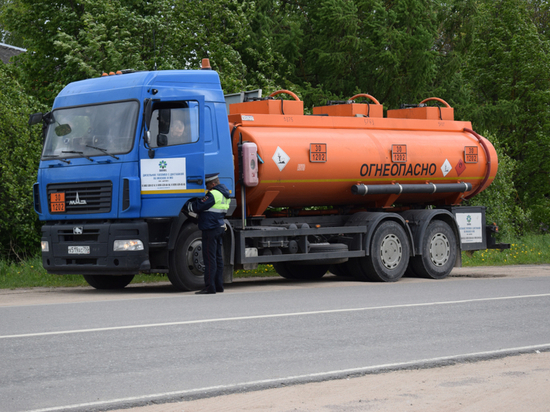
<point x="172" y="162"/>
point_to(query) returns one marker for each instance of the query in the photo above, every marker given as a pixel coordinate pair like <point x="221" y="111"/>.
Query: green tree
<point x="213" y="29"/>
<point x="381" y="47"/>
<point x="507" y="70"/>
<point x="20" y="148"/>
<point x="500" y="198"/>
<point x="69" y="41"/>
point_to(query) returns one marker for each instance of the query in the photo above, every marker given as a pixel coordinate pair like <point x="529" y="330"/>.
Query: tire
<point x="354" y="268"/>
<point x="290" y="270"/>
<point x="281" y="269"/>
<point x="389" y="253"/>
<point x="340" y="270"/>
<point x="439" y="249"/>
<point x="108" y="281"/>
<point x="186" y="270"/>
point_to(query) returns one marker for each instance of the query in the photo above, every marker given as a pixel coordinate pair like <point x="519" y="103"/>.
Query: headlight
<point x="123" y="245"/>
<point x="45" y="246"/>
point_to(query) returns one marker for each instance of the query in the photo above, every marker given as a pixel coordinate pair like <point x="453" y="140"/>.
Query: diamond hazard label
<point x="460" y="167"/>
<point x="280" y="158"/>
<point x="446" y="168"/>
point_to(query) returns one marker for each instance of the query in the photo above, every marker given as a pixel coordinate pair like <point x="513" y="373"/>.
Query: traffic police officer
<point x="211" y="210"/>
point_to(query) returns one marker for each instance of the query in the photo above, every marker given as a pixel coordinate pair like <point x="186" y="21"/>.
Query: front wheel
<point x="186" y="263"/>
<point x="108" y="282"/>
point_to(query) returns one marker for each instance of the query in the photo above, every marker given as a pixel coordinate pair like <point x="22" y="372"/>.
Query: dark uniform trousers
<point x="212" y="254"/>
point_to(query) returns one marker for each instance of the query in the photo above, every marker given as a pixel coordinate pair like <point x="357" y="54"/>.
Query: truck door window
<point x="174" y="124"/>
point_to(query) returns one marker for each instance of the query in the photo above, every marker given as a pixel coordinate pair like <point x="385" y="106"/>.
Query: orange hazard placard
<point x="317" y="152"/>
<point x="57" y="202"/>
<point x="470" y="154"/>
<point x="399" y="153"/>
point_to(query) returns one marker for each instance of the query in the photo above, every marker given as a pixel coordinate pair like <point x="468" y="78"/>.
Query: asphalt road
<point x="81" y="349"/>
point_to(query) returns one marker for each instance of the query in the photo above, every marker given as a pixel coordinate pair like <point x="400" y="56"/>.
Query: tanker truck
<point x="343" y="190"/>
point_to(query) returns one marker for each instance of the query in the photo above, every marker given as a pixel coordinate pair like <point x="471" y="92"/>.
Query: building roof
<point x="7" y="51"/>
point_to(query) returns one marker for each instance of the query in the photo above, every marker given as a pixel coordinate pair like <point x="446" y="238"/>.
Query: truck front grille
<point x="81" y="197"/>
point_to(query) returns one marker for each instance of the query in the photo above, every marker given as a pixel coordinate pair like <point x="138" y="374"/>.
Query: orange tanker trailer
<point x="336" y="158"/>
<point x="399" y="179"/>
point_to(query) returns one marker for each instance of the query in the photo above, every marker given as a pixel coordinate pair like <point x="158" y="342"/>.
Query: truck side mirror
<point x="35" y="118"/>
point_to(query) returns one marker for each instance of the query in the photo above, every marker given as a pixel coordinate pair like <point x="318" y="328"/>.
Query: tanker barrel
<point x="397" y="188"/>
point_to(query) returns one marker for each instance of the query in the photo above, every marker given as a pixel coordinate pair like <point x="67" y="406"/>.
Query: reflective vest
<point x="222" y="203"/>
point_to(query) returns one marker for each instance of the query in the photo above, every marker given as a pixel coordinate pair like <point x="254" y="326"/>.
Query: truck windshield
<point x="91" y="131"/>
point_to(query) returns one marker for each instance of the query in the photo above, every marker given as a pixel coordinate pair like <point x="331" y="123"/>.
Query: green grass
<point x="533" y="249"/>
<point x="30" y="274"/>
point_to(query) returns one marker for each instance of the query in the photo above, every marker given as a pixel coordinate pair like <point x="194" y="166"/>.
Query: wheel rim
<point x="440" y="249"/>
<point x="194" y="259"/>
<point x="391" y="251"/>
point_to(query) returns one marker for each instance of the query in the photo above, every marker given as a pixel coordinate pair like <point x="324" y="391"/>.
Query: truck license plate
<point x="79" y="250"/>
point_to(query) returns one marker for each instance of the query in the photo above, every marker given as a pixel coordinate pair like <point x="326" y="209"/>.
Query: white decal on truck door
<point x="163" y="175"/>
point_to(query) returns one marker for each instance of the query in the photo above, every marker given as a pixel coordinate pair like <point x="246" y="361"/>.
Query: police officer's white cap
<point x="211" y="176"/>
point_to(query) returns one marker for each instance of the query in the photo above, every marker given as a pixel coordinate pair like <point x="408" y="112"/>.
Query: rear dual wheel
<point x="439" y="251"/>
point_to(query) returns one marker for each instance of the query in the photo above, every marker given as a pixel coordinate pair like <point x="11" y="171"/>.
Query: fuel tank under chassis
<point x="377" y="151"/>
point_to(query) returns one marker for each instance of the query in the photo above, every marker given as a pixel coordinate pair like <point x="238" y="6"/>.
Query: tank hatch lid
<point x="370" y="108"/>
<point x="284" y="107"/>
<point x="250" y="104"/>
<point x="423" y="111"/>
<point x="351" y="109"/>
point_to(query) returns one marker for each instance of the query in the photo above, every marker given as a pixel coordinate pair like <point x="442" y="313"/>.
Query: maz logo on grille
<point x="77" y="201"/>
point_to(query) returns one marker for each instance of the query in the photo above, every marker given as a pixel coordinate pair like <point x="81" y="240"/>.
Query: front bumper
<point x="82" y="248"/>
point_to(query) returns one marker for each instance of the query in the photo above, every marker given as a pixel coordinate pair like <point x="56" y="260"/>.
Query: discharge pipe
<point x="397" y="189"/>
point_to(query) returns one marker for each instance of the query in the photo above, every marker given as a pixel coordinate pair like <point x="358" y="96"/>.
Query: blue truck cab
<point x="122" y="155"/>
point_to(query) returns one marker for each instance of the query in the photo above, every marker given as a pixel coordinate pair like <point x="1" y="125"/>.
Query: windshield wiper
<point x="102" y="150"/>
<point x="57" y="157"/>
<point x="80" y="153"/>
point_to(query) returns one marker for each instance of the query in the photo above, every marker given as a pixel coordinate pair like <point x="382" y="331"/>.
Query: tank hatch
<point x="269" y="105"/>
<point x="423" y="111"/>
<point x="349" y="108"/>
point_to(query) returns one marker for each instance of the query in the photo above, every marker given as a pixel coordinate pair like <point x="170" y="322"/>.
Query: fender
<point x="175" y="230"/>
<point x="419" y="219"/>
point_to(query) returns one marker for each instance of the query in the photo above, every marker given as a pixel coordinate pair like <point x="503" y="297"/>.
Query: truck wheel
<point x="281" y="269"/>
<point x="389" y="253"/>
<point x="108" y="282"/>
<point x="290" y="270"/>
<point x="439" y="249"/>
<point x="186" y="270"/>
<point x="340" y="269"/>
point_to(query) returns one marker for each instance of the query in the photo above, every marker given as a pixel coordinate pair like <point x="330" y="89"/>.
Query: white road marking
<point x="276" y="315"/>
<point x="267" y="382"/>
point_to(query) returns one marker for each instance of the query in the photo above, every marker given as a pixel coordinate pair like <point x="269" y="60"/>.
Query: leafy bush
<point x="20" y="148"/>
<point x="501" y="198"/>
